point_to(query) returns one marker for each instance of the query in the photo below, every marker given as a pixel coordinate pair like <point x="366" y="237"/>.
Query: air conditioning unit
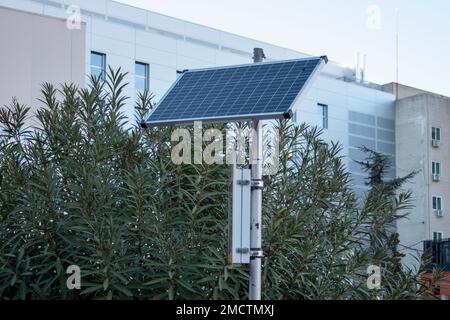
<point x="436" y="177"/>
<point x="435" y="143"/>
<point x="439" y="213"/>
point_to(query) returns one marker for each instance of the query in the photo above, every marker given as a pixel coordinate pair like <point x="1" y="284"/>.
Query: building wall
<point x="442" y="287"/>
<point x="127" y="34"/>
<point x="415" y="117"/>
<point x="405" y="91"/>
<point x="358" y="113"/>
<point x="37" y="49"/>
<point x="439" y="116"/>
<point x="358" y="116"/>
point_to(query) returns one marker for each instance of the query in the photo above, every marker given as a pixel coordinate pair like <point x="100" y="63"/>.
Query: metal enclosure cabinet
<point x="239" y="222"/>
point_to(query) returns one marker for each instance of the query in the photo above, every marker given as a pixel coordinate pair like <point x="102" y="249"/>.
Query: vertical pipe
<point x="256" y="212"/>
<point x="258" y="55"/>
<point x="256" y="200"/>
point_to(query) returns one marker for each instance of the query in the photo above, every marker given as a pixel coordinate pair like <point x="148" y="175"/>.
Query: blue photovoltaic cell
<point x="263" y="91"/>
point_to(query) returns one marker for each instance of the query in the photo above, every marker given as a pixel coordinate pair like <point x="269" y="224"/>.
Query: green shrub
<point x="85" y="188"/>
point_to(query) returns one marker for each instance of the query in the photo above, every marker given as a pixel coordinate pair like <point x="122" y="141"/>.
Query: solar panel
<point x="254" y="91"/>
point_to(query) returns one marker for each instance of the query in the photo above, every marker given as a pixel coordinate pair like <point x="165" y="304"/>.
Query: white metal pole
<point x="397" y="50"/>
<point x="256" y="212"/>
<point x="256" y="200"/>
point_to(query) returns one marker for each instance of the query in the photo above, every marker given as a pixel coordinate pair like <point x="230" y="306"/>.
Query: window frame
<point x="438" y="201"/>
<point x="435" y="132"/>
<point x="438" y="233"/>
<point x="325" y="115"/>
<point x="146" y="77"/>
<point x="103" y="66"/>
<point x="434" y="166"/>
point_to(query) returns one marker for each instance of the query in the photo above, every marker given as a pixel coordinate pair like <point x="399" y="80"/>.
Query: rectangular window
<point x="142" y="76"/>
<point x="98" y="64"/>
<point x="323" y="108"/>
<point x="436" y="134"/>
<point x="436" y="168"/>
<point x="437" y="236"/>
<point x="437" y="203"/>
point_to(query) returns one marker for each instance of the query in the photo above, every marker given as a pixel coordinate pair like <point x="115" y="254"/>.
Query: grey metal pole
<point x="256" y="201"/>
<point x="256" y="212"/>
<point x="258" y="55"/>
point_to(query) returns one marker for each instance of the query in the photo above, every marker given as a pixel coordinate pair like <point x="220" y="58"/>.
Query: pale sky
<point x="339" y="29"/>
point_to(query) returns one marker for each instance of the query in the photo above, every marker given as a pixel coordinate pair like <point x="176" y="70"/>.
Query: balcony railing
<point x="439" y="252"/>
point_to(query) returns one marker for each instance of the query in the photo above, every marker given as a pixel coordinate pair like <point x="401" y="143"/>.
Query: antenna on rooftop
<point x="360" y="67"/>
<point x="397" y="49"/>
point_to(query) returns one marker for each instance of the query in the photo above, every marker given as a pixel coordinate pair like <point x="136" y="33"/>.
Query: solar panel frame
<point x="240" y="117"/>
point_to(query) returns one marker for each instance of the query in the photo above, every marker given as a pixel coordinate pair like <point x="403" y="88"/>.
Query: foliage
<point x="85" y="188"/>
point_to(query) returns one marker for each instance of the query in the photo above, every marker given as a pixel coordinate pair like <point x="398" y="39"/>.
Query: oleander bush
<point x="80" y="185"/>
